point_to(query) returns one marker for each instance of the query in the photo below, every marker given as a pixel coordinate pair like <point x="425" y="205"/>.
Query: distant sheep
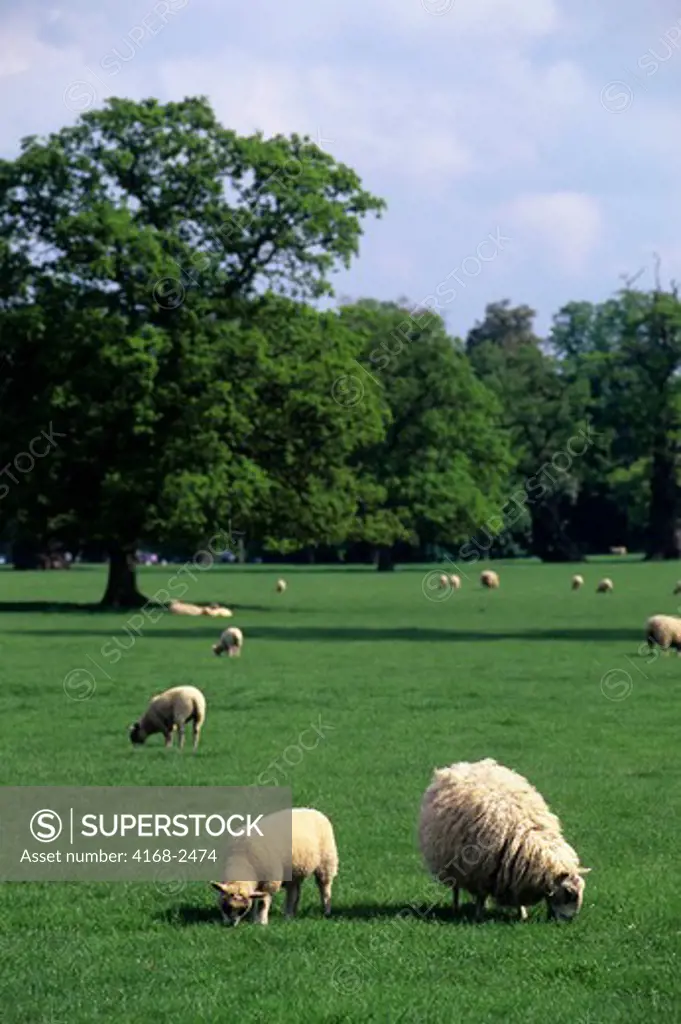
<point x="171" y="710"/>
<point x="455" y="582"/>
<point x="605" y="586"/>
<point x="618" y="551"/>
<point x="182" y="608"/>
<point x="665" y="631"/>
<point x="577" y="582"/>
<point x="281" y="586"/>
<point x="314" y="852"/>
<point x="217" y="612"/>
<point x="231" y="641"/>
<point x="486" y="829"/>
<point x="489" y="579"/>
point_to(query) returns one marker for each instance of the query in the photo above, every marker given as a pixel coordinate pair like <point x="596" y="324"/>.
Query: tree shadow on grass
<point x="67" y="607"/>
<point x="187" y="915"/>
<point x="597" y="635"/>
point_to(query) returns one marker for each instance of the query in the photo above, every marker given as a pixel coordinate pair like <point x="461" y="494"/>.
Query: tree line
<point x="158" y="281"/>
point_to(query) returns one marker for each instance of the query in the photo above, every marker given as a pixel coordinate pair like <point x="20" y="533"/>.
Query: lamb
<point x="171" y="710"/>
<point x="232" y="641"/>
<point x="577" y="582"/>
<point x="313" y="852"/>
<point x="486" y="829"/>
<point x="605" y="586"/>
<point x="489" y="579"/>
<point x="665" y="631"/>
<point x="455" y="582"/>
<point x="281" y="586"/>
<point x="182" y="608"/>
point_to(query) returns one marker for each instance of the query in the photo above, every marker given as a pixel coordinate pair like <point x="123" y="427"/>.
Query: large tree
<point x="443" y="466"/>
<point x="153" y="268"/>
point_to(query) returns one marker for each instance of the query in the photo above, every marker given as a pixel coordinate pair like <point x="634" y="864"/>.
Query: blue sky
<point x="470" y="117"/>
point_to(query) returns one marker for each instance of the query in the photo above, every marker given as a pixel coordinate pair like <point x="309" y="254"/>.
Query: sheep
<point x="489" y="579"/>
<point x="313" y="852"/>
<point x="486" y="829"/>
<point x="217" y="612"/>
<point x="281" y="586"/>
<point x="232" y="641"/>
<point x="171" y="710"/>
<point x="618" y="551"/>
<point x="577" y="582"/>
<point x="444" y="580"/>
<point x="181" y="608"/>
<point x="665" y="631"/>
<point x="455" y="582"/>
<point x="605" y="586"/>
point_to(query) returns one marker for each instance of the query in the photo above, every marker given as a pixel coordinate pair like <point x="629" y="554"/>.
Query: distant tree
<point x="442" y="468"/>
<point x="140" y="253"/>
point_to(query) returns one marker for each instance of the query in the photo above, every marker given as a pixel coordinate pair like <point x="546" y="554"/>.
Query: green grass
<point x="402" y="684"/>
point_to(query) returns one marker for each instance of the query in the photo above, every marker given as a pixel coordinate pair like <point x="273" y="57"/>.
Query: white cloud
<point x="567" y="224"/>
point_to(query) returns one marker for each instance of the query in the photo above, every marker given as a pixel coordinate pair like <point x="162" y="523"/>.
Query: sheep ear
<point x="220" y="886"/>
<point x="584" y="871"/>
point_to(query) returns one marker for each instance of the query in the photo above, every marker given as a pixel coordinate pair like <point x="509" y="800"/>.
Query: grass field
<point x="402" y="684"/>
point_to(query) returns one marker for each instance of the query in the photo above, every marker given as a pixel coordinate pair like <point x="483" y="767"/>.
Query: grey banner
<point x="163" y="834"/>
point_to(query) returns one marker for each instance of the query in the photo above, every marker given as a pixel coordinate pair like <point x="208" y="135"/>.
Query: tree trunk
<point x="384" y="562"/>
<point x="663" y="527"/>
<point x="121" y="587"/>
<point x="550" y="540"/>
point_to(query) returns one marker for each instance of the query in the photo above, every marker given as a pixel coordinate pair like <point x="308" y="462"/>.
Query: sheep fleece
<point x="664" y="630"/>
<point x="487" y="829"/>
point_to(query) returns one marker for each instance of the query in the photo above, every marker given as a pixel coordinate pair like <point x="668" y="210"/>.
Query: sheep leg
<point x="324" y="886"/>
<point x="180" y="733"/>
<point x="261" y="914"/>
<point x="480" y="908"/>
<point x="196" y="733"/>
<point x="169" y="738"/>
<point x="292" y="898"/>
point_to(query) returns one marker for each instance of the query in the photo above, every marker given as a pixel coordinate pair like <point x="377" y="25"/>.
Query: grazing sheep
<point x="455" y="582"/>
<point x="182" y="608"/>
<point x="486" y="829"/>
<point x="217" y="612"/>
<point x="665" y="631"/>
<point x="281" y="586"/>
<point x="618" y="551"/>
<point x="313" y="852"/>
<point x="605" y="586"/>
<point x="444" y="580"/>
<point x="171" y="710"/>
<point x="232" y="641"/>
<point x="489" y="579"/>
<point x="577" y="582"/>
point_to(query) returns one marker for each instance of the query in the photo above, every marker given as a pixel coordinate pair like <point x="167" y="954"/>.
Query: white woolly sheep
<point x="605" y="586"/>
<point x="281" y="586"/>
<point x="231" y="641"/>
<point x="215" y="611"/>
<point x="486" y="829"/>
<point x="577" y="582"/>
<point x="444" y="580"/>
<point x="489" y="579"/>
<point x="665" y="631"/>
<point x="313" y="852"/>
<point x="183" y="608"/>
<point x="455" y="582"/>
<point x="171" y="710"/>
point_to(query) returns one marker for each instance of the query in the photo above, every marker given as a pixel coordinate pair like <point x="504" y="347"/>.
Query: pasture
<point x="397" y="684"/>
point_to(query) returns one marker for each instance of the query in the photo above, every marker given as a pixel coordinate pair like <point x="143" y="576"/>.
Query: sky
<point x="527" y="149"/>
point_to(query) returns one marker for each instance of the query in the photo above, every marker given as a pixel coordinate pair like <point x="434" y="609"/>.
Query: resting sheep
<point x="281" y="586"/>
<point x="171" y="710"/>
<point x="577" y="582"/>
<point x="665" y="631"/>
<point x="182" y="608"/>
<point x="313" y="852"/>
<point x="605" y="586"/>
<point x="231" y="641"/>
<point x="486" y="829"/>
<point x="455" y="582"/>
<point x="489" y="579"/>
<point x="217" y="612"/>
